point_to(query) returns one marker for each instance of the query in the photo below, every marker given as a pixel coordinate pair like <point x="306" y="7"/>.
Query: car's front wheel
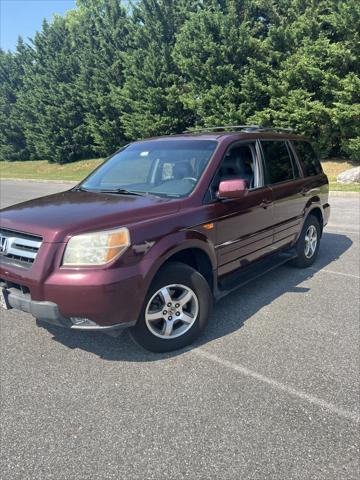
<point x="175" y="310"/>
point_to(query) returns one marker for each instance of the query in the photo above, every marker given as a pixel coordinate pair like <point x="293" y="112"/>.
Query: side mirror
<point x="234" y="189"/>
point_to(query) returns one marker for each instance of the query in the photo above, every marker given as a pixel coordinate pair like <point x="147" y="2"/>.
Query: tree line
<point x="108" y="72"/>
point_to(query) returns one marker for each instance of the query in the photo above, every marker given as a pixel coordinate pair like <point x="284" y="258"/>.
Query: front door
<point x="244" y="226"/>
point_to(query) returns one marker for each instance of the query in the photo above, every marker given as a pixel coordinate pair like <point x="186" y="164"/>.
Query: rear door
<point x="284" y="177"/>
<point x="244" y="226"/>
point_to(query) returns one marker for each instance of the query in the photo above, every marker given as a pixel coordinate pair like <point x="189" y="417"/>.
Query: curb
<point x="40" y="180"/>
<point x="336" y="193"/>
<point x="332" y="193"/>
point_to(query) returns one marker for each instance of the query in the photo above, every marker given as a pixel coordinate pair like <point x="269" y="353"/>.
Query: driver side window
<point x="238" y="162"/>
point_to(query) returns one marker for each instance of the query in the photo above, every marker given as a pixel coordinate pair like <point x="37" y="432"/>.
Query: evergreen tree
<point x="220" y="57"/>
<point x="276" y="62"/>
<point x="12" y="67"/>
<point x="105" y="74"/>
<point x="150" y="97"/>
<point x="318" y="56"/>
<point x="52" y="111"/>
<point x="101" y="28"/>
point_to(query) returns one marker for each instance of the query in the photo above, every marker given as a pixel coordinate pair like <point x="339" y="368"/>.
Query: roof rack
<point x="245" y="128"/>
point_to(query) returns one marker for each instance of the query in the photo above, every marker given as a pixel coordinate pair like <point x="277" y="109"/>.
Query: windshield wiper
<point x="122" y="191"/>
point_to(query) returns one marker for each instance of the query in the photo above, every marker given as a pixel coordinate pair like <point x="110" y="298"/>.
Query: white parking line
<point x="341" y="412"/>
<point x="325" y="270"/>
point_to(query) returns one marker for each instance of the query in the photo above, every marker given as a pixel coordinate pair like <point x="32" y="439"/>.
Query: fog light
<point x="78" y="321"/>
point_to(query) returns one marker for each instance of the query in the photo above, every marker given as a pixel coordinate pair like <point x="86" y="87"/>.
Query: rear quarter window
<point x="308" y="157"/>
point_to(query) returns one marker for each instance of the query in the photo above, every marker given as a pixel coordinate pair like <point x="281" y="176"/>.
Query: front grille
<point x="18" y="248"/>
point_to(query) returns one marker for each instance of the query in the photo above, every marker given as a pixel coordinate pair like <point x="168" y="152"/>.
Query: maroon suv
<point x="163" y="227"/>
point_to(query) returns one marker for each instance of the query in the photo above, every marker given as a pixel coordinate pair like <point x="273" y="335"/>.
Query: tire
<point x="306" y="255"/>
<point x="175" y="310"/>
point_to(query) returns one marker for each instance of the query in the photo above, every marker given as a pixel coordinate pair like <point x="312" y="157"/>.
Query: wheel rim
<point x="171" y="311"/>
<point x="310" y="241"/>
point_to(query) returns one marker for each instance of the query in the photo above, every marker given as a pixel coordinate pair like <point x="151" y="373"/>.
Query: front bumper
<point x="109" y="298"/>
<point x="49" y="312"/>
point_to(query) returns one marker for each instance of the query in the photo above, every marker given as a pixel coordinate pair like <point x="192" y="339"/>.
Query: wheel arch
<point x="196" y="258"/>
<point x="190" y="247"/>
<point x="317" y="212"/>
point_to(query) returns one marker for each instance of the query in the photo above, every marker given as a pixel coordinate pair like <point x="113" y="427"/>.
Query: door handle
<point x="265" y="203"/>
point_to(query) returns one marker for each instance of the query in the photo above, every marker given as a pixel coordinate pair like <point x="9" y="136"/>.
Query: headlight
<point x="96" y="248"/>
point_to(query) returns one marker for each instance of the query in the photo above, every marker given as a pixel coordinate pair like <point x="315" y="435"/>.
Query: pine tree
<point x="315" y="85"/>
<point x="275" y="62"/>
<point x="12" y="67"/>
<point x="52" y="111"/>
<point x="151" y="96"/>
<point x="220" y="57"/>
<point x="105" y="74"/>
<point x="101" y="28"/>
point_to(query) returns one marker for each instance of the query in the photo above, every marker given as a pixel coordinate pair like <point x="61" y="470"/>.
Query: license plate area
<point x="4" y="302"/>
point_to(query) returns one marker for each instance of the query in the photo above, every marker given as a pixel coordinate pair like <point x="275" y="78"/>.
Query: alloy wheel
<point x="171" y="311"/>
<point x="311" y="239"/>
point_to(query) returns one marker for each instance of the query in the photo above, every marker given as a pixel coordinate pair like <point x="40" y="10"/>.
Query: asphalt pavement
<point x="271" y="390"/>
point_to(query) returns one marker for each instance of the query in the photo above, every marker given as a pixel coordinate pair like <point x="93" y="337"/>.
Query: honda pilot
<point x="163" y="228"/>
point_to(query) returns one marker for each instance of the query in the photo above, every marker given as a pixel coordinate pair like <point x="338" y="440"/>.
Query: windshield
<point x="168" y="168"/>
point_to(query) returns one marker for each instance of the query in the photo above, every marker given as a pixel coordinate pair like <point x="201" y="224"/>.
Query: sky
<point x="24" y="17"/>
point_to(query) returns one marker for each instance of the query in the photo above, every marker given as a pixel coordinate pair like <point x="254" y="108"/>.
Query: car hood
<point x="54" y="217"/>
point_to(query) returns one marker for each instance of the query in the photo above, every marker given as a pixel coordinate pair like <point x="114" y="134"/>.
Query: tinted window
<point x="309" y="158"/>
<point x="294" y="162"/>
<point x="238" y="162"/>
<point x="279" y="167"/>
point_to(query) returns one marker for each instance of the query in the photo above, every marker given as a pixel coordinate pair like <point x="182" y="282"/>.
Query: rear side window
<point x="309" y="158"/>
<point x="279" y="166"/>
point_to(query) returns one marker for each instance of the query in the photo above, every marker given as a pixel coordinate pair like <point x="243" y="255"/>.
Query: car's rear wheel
<point x="307" y="246"/>
<point x="175" y="310"/>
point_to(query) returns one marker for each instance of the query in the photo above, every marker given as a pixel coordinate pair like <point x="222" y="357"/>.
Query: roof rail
<point x="221" y="128"/>
<point x="246" y="128"/>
